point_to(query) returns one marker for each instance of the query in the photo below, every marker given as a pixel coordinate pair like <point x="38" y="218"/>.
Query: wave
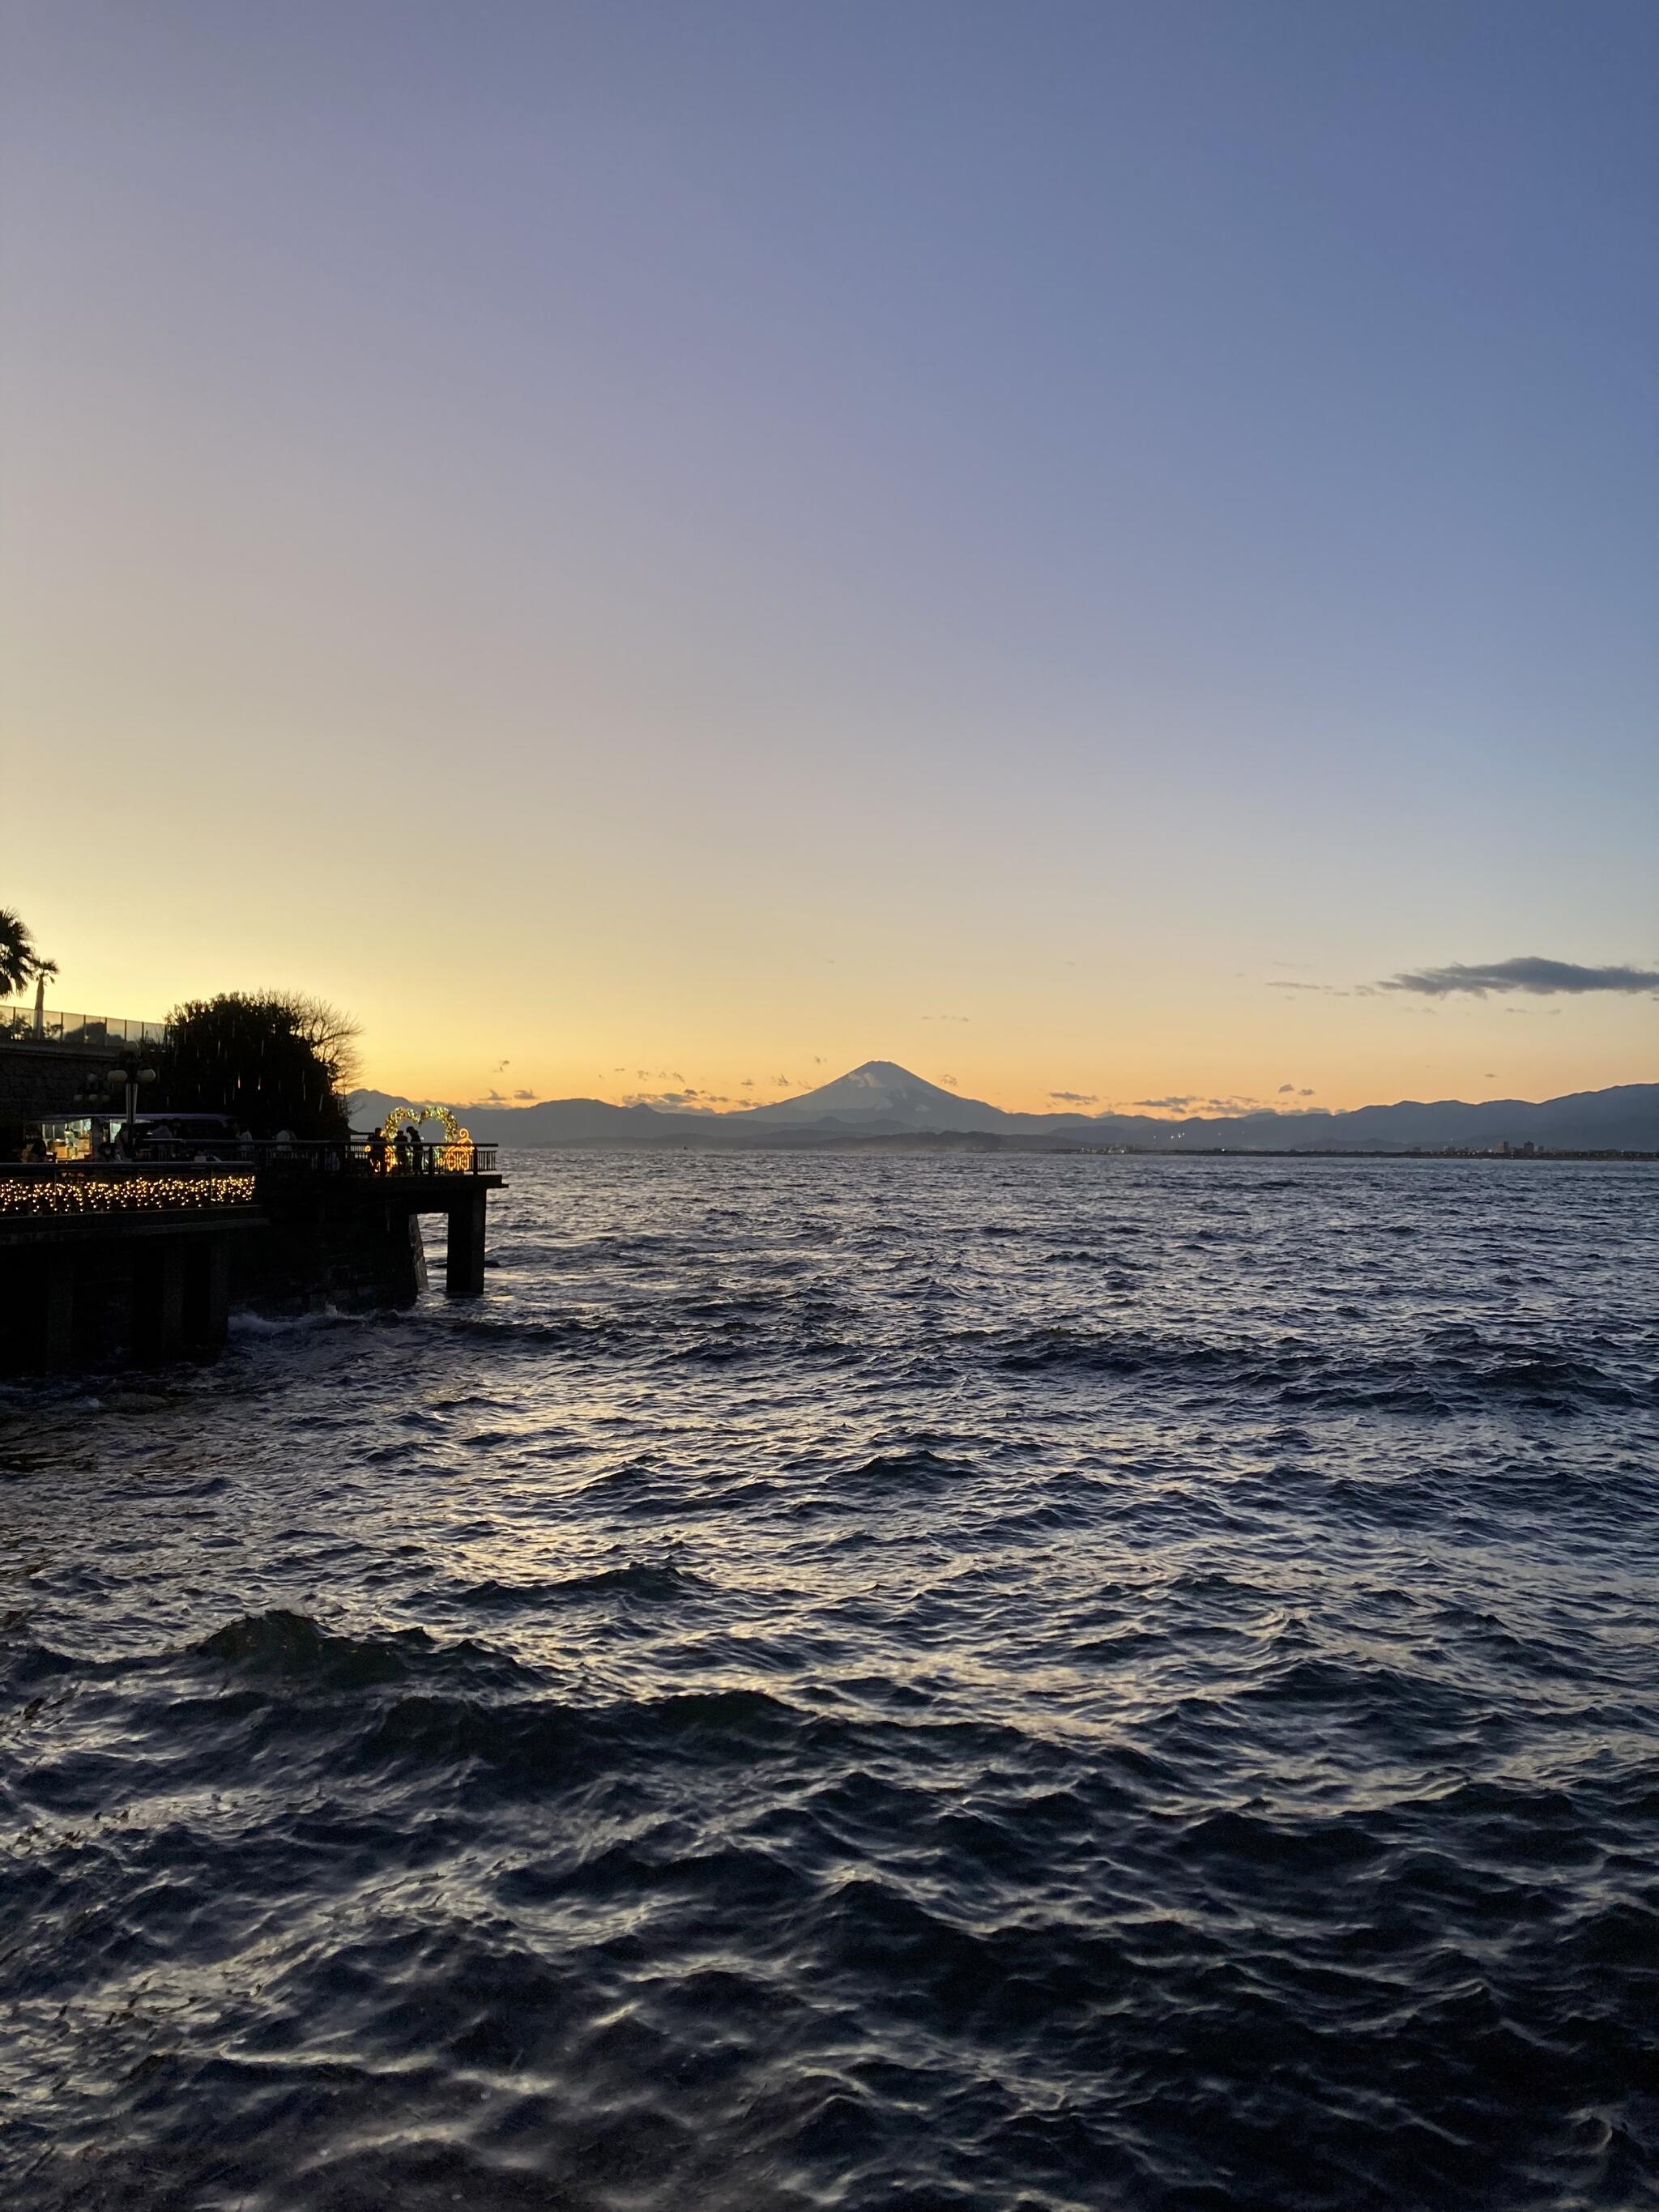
<point x="919" y="1469"/>
<point x="243" y="1322"/>
<point x="524" y="1743"/>
<point x="639" y="1579"/>
<point x="294" y="1650"/>
<point x="1300" y="1373"/>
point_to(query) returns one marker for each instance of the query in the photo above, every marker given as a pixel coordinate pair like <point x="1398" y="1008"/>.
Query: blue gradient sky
<point x="682" y="547"/>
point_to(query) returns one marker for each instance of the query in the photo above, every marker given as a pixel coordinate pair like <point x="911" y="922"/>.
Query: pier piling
<point x="464" y="1268"/>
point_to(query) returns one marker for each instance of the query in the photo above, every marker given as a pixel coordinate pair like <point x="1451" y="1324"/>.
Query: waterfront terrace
<point x="105" y="1260"/>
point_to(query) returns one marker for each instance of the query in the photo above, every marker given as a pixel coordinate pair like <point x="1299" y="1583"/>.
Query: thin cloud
<point x="1537" y="977"/>
<point x="1328" y="990"/>
<point x="678" y="1102"/>
<point x="1075" y="1098"/>
<point x="523" y="1094"/>
<point x="1193" y="1100"/>
<point x="947" y="1017"/>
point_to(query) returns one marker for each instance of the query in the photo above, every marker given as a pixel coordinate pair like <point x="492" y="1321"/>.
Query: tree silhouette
<point x="274" y="1060"/>
<point x="20" y="963"/>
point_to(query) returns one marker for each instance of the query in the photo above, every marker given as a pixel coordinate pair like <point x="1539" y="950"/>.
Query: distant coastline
<point x="883" y="1106"/>
<point x="942" y="1140"/>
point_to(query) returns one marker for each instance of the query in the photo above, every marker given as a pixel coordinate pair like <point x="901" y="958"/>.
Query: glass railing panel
<point x="19" y="1024"/>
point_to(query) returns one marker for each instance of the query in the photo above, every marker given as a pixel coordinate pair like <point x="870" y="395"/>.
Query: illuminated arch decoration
<point x="455" y="1154"/>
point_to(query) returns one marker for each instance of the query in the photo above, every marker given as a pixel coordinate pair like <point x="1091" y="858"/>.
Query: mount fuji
<point x="880" y="1098"/>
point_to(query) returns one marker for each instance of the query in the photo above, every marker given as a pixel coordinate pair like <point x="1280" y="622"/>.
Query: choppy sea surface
<point x="881" y="1683"/>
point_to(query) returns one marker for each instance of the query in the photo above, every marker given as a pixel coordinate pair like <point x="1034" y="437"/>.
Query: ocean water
<point x="891" y="1684"/>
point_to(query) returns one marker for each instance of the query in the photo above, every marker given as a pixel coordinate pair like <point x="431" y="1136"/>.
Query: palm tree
<point x="20" y="963"/>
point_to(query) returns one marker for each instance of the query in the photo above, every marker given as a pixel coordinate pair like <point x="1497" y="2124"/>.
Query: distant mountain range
<point x="880" y="1101"/>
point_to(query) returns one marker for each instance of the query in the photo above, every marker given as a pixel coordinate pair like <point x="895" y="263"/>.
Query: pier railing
<point x="22" y="1023"/>
<point x="165" y="1162"/>
<point x="229" y="1176"/>
<point x="372" y="1156"/>
<point x="333" y="1155"/>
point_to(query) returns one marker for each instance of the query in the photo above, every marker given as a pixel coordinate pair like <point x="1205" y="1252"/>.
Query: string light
<point x="80" y="1194"/>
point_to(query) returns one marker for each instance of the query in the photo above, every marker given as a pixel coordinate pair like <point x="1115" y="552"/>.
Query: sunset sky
<point x="678" y="547"/>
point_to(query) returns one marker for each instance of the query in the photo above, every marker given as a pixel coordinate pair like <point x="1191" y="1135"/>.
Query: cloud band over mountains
<point x="1532" y="974"/>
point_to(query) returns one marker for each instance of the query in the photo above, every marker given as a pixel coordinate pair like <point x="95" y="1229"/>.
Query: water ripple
<point x="980" y="1683"/>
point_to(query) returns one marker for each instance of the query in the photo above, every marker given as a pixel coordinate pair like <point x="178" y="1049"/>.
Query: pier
<point x="145" y="1259"/>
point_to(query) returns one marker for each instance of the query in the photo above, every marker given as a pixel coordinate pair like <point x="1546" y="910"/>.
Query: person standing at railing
<point x="376" y="1150"/>
<point x="400" y="1145"/>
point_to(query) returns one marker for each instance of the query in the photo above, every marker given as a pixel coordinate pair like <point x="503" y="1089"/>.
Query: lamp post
<point x="127" y="1074"/>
